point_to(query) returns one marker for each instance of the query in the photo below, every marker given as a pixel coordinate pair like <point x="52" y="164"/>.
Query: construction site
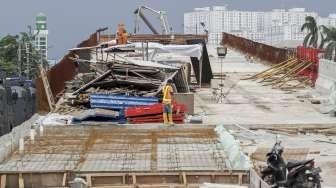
<point x="101" y="124"/>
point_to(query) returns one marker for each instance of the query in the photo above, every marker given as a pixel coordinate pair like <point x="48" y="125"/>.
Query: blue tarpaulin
<point x="119" y="102"/>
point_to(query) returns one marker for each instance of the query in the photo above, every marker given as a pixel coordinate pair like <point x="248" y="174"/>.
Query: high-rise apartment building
<point x="267" y="27"/>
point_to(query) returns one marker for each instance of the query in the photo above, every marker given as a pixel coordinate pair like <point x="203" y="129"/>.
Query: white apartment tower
<point x="193" y="20"/>
<point x="268" y="27"/>
<point x="41" y="35"/>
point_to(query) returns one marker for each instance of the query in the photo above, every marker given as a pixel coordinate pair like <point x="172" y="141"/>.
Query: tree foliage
<point x="8" y="55"/>
<point x="329" y="42"/>
<point x="311" y="38"/>
<point x="18" y="55"/>
<point x="327" y="37"/>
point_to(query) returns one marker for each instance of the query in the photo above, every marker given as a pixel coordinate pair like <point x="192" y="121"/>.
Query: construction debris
<point x="119" y="77"/>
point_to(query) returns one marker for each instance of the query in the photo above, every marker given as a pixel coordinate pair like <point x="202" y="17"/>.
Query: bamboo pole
<point x="261" y="73"/>
<point x="297" y="73"/>
<point x="280" y="70"/>
<point x="300" y="67"/>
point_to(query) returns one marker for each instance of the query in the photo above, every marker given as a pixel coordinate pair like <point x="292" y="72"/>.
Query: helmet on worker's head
<point x="169" y="81"/>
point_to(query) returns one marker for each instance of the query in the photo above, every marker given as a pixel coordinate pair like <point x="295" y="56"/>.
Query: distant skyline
<point x="71" y="21"/>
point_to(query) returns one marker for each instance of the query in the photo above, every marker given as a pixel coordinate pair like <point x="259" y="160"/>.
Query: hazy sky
<point x="71" y="21"/>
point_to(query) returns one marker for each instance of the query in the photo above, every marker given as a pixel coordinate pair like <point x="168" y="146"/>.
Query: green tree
<point x="311" y="38"/>
<point x="329" y="41"/>
<point x="8" y="54"/>
<point x="18" y="55"/>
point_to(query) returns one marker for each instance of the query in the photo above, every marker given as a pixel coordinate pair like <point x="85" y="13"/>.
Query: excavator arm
<point x="162" y="15"/>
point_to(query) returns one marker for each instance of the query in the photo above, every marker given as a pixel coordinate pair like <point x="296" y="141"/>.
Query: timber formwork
<point x="128" y="156"/>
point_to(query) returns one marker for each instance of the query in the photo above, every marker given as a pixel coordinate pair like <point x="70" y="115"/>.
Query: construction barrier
<point x="305" y="54"/>
<point x="261" y="51"/>
<point x="10" y="142"/>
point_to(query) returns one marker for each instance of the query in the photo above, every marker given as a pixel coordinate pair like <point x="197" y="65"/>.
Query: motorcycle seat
<point x="293" y="163"/>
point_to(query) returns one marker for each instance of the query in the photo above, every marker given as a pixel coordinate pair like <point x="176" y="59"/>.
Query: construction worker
<point x="121" y="34"/>
<point x="167" y="103"/>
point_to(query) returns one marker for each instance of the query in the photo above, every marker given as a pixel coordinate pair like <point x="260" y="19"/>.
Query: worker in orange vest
<point x="121" y="35"/>
<point x="167" y="103"/>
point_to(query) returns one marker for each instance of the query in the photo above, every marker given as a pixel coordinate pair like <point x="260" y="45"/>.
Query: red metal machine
<point x="311" y="55"/>
<point x="153" y="113"/>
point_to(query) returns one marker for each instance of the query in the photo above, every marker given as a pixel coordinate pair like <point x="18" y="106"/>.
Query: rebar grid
<point x="121" y="150"/>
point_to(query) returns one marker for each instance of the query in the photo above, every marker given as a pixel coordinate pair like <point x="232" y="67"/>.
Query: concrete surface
<point x="248" y="103"/>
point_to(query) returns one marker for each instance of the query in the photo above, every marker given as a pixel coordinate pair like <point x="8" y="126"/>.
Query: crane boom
<point x="162" y="15"/>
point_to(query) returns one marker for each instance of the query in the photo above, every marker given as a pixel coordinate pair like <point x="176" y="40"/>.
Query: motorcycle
<point x="294" y="174"/>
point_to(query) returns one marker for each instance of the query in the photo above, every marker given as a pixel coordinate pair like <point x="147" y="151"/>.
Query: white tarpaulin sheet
<point x="194" y="50"/>
<point x="151" y="64"/>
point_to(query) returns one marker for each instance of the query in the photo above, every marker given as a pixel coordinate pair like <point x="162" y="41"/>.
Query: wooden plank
<point x="240" y="179"/>
<point x="134" y="179"/>
<point x="184" y="178"/>
<point x="88" y="180"/>
<point x="3" y="181"/>
<point x="64" y="179"/>
<point x="21" y="181"/>
<point x="86" y="86"/>
<point x="46" y="85"/>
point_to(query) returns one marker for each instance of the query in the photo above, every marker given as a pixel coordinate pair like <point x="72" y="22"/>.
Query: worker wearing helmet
<point x="167" y="103"/>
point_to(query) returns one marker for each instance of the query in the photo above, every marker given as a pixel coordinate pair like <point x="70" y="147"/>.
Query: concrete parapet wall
<point x="326" y="80"/>
<point x="17" y="104"/>
<point x="9" y="142"/>
<point x="256" y="181"/>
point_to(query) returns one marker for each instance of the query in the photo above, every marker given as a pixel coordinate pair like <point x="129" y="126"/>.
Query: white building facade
<point x="41" y="35"/>
<point x="268" y="27"/>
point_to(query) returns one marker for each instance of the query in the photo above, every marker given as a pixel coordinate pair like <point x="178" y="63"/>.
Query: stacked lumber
<point x="285" y="75"/>
<point x="154" y="114"/>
